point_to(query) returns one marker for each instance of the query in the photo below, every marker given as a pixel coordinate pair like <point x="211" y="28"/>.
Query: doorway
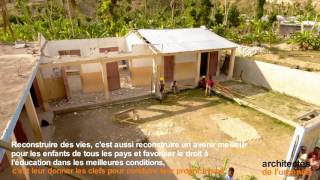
<point x="204" y="64"/>
<point x="34" y="96"/>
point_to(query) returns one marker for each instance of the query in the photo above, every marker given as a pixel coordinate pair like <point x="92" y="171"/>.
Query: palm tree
<point x="174" y="4"/>
<point x="5" y="18"/>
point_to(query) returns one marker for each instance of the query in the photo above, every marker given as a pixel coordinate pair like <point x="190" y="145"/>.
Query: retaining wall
<point x="293" y="82"/>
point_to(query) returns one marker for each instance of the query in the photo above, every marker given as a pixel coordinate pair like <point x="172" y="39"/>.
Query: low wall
<point x="91" y="78"/>
<point x="293" y="82"/>
<point x="54" y="84"/>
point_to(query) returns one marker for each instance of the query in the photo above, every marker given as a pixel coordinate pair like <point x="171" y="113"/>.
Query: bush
<point x="306" y="40"/>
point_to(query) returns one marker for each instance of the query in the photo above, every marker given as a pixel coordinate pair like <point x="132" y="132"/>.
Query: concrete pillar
<point x="33" y="118"/>
<point x="104" y="74"/>
<point x="130" y="67"/>
<point x="154" y="75"/>
<point x="43" y="90"/>
<point x="197" y="73"/>
<point x="24" y="169"/>
<point x="162" y="66"/>
<point x="66" y="83"/>
<point x="218" y="65"/>
<point x="231" y="64"/>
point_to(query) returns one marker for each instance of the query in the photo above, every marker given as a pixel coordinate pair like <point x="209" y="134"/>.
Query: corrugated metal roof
<point x="184" y="40"/>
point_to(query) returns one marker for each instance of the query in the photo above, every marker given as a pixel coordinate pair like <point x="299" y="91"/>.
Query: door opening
<point x="204" y="64"/>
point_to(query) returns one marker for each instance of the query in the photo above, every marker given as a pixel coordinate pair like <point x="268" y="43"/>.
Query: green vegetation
<point x="307" y="40"/>
<point x="67" y="19"/>
<point x="260" y="9"/>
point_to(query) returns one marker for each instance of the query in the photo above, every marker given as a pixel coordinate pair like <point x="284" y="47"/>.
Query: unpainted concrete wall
<point x="141" y="71"/>
<point x="53" y="82"/>
<point x="185" y="66"/>
<point x="297" y="83"/>
<point x="91" y="78"/>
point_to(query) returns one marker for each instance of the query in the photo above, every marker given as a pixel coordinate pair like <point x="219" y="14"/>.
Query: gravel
<point x="247" y="51"/>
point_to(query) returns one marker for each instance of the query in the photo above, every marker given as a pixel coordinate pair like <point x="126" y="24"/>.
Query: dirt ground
<point x="288" y="55"/>
<point x="187" y="117"/>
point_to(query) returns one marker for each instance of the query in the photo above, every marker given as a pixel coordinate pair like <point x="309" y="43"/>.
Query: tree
<point x="233" y="16"/>
<point x="205" y="11"/>
<point x="260" y="9"/>
<point x="310" y="11"/>
<point x="218" y="16"/>
<point x="174" y="4"/>
<point x="5" y="18"/>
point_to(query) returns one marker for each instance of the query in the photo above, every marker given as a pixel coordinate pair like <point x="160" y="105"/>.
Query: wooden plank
<point x="124" y="111"/>
<point x="213" y="63"/>
<point x="168" y="68"/>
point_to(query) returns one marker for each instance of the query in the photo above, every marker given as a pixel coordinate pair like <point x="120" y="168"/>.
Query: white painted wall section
<point x="88" y="47"/>
<point x="185" y="57"/>
<point x="142" y="62"/>
<point x="89" y="68"/>
<point x="133" y="39"/>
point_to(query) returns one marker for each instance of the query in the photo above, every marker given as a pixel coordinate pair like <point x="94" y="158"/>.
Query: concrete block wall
<point x="293" y="82"/>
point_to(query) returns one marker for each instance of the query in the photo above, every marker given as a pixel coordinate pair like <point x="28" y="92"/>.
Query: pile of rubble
<point x="247" y="51"/>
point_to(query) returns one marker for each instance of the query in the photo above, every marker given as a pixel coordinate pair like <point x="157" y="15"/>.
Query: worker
<point x="210" y="85"/>
<point x="202" y="83"/>
<point x="230" y="174"/>
<point x="161" y="89"/>
<point x="174" y="87"/>
<point x="314" y="167"/>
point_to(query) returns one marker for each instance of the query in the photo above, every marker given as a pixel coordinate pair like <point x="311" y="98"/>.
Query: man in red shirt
<point x="202" y="83"/>
<point x="210" y="85"/>
<point x="315" y="152"/>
